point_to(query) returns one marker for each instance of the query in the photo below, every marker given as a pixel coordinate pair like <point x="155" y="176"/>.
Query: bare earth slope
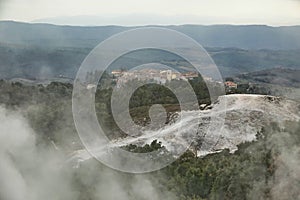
<point x="245" y="116"/>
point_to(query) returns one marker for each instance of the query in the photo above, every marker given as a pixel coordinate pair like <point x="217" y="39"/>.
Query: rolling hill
<point x="245" y="37"/>
<point x="43" y="51"/>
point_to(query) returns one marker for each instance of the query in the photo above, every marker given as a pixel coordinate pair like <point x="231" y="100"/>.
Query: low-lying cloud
<point x="41" y="172"/>
<point x="26" y="170"/>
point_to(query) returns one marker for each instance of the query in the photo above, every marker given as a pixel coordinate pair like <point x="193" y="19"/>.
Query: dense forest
<point x="47" y="62"/>
<point x="252" y="172"/>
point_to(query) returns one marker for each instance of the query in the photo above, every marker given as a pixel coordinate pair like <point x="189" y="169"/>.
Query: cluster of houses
<point x="231" y="85"/>
<point x="122" y="77"/>
<point x="158" y="76"/>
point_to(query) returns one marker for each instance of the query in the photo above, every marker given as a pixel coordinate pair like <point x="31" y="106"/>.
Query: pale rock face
<point x="244" y="115"/>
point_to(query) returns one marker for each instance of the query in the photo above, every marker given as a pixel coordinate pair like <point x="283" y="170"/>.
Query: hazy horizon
<point x="155" y="12"/>
<point x="52" y="21"/>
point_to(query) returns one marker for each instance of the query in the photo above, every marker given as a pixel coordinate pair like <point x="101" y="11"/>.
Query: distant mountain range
<point x="225" y="36"/>
<point x="45" y="62"/>
<point x="44" y="51"/>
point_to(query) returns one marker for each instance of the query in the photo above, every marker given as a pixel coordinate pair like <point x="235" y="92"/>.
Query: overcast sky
<point x="143" y="12"/>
